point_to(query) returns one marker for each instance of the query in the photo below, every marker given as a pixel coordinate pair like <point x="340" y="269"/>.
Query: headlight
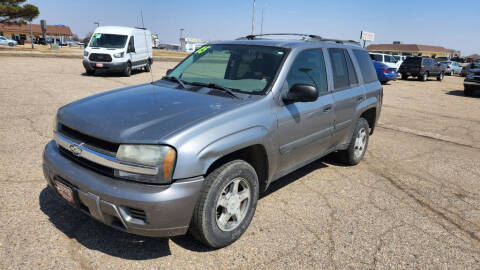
<point x="119" y="55"/>
<point x="55" y="123"/>
<point x="85" y="53"/>
<point x="160" y="156"/>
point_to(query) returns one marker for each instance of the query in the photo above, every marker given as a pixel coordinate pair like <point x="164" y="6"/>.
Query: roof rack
<point x="305" y="37"/>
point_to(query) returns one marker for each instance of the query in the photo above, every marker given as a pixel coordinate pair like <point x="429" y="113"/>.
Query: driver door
<point x="305" y="128"/>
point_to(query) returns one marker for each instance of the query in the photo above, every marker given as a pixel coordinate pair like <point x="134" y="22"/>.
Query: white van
<point x="387" y="59"/>
<point x="117" y="48"/>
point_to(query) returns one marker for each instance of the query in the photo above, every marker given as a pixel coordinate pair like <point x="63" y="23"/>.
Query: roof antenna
<point x="146" y="43"/>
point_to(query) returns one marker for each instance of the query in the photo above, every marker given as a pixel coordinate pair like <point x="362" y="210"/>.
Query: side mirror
<point x="301" y="93"/>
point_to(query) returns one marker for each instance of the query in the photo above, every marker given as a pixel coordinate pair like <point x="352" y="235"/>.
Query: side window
<point x="352" y="73"/>
<point x="131" y="44"/>
<point x="366" y="66"/>
<point x="376" y="57"/>
<point x="339" y="68"/>
<point x="309" y="68"/>
<point x="343" y="71"/>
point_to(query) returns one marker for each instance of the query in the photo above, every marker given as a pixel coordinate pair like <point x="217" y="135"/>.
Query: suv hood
<point x="141" y="114"/>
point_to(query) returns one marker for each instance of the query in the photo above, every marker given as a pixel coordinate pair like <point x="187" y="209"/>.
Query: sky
<point x="451" y="24"/>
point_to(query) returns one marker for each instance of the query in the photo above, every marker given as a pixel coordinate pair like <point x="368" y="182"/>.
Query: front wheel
<point x="404" y="77"/>
<point x="358" y="144"/>
<point x="440" y="76"/>
<point x="90" y="72"/>
<point x="423" y="77"/>
<point x="128" y="70"/>
<point x="148" y="67"/>
<point x="226" y="205"/>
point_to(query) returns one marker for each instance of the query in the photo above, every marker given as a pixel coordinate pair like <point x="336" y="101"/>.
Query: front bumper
<point x="167" y="208"/>
<point x="472" y="83"/>
<point x="113" y="66"/>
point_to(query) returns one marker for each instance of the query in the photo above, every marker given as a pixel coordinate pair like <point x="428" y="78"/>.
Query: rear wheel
<point x="11" y="44"/>
<point x="148" y="67"/>
<point x="423" y="77"/>
<point x="358" y="144"/>
<point x="226" y="205"/>
<point x="440" y="76"/>
<point x="404" y="77"/>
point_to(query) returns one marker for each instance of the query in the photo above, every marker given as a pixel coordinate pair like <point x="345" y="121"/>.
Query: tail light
<point x="385" y="70"/>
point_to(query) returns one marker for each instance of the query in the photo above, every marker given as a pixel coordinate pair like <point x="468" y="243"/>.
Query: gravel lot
<point x="414" y="202"/>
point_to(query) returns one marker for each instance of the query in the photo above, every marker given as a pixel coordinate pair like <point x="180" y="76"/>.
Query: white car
<point x="386" y="59"/>
<point x="118" y="48"/>
<point x="6" y="41"/>
<point x="451" y="67"/>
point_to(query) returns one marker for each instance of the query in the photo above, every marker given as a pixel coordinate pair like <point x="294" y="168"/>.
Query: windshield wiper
<point x="216" y="86"/>
<point x="175" y="79"/>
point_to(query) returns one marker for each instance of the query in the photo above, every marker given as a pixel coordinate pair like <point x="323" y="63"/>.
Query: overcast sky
<point x="452" y="24"/>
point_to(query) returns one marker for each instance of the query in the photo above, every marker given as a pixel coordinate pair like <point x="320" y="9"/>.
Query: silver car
<point x="451" y="67"/>
<point x="192" y="151"/>
<point x="6" y="41"/>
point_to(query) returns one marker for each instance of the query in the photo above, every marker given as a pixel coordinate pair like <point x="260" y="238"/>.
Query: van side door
<point x="347" y="93"/>
<point x="131" y="50"/>
<point x="304" y="128"/>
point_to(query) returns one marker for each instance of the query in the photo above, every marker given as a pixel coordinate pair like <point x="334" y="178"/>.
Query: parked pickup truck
<point x="422" y="68"/>
<point x="192" y="151"/>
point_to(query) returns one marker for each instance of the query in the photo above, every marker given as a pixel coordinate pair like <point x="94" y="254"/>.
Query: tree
<point x="86" y="39"/>
<point x="16" y="12"/>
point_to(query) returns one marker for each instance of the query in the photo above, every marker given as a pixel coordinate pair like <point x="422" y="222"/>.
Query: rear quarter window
<point x="366" y="66"/>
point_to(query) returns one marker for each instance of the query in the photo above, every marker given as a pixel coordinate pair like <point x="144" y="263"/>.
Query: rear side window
<point x="309" y="68"/>
<point x="366" y="67"/>
<point x="344" y="74"/>
<point x="377" y="57"/>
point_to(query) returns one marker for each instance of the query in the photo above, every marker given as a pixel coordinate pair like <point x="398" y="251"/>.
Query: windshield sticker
<point x="203" y="49"/>
<point x="97" y="35"/>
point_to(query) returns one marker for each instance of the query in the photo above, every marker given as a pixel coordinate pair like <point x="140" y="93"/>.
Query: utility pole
<point x="261" y="25"/>
<point x="31" y="34"/>
<point x="253" y="16"/>
<point x="181" y="35"/>
<point x="97" y="23"/>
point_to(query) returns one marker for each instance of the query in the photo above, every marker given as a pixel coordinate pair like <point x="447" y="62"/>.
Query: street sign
<point x="367" y="36"/>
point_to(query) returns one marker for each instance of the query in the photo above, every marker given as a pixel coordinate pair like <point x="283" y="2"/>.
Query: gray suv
<point x="192" y="151"/>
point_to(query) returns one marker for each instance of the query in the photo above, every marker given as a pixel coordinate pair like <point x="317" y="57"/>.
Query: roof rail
<point x="306" y="37"/>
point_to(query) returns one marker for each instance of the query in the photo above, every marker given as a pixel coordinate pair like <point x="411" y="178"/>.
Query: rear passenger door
<point x="347" y="94"/>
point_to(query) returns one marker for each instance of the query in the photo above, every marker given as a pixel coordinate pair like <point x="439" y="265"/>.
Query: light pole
<point x="253" y="16"/>
<point x="181" y="35"/>
<point x="31" y="34"/>
<point x="97" y="23"/>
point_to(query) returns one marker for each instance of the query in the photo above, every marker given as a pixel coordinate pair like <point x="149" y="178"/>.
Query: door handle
<point x="327" y="108"/>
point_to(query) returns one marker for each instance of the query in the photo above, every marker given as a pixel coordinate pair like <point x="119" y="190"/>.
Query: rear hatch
<point x="411" y="64"/>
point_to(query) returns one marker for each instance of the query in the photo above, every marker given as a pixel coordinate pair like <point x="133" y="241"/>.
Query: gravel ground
<point x="414" y="202"/>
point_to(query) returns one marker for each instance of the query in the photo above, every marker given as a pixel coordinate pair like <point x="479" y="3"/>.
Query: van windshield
<point x="241" y="68"/>
<point x="108" y="41"/>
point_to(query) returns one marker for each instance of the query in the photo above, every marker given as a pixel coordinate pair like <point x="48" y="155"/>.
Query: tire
<point x="207" y="225"/>
<point x="423" y="77"/>
<point x="90" y="72"/>
<point x="404" y="77"/>
<point x="351" y="156"/>
<point x="468" y="91"/>
<point x="147" y="67"/>
<point x="128" y="70"/>
<point x="11" y="44"/>
<point x="440" y="77"/>
<point x="451" y="73"/>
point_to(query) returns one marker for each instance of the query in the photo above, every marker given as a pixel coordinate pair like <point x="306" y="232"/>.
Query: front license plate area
<point x="99" y="65"/>
<point x="65" y="191"/>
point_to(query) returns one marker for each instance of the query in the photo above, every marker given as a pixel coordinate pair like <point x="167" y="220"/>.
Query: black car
<point x="422" y="68"/>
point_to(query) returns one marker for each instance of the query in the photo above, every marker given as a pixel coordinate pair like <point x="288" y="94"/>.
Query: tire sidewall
<point x="361" y="123"/>
<point x="213" y="234"/>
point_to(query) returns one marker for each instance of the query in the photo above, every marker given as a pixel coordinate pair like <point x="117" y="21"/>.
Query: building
<point x="397" y="48"/>
<point x="190" y="44"/>
<point x="21" y="33"/>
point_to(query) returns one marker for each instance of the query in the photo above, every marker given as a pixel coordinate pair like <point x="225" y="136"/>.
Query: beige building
<point x="413" y="50"/>
<point x="22" y="32"/>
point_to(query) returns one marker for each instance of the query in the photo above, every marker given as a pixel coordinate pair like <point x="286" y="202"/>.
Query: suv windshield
<point x="241" y="68"/>
<point x="108" y="41"/>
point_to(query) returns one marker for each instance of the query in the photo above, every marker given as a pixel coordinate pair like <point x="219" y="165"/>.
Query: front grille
<point x="87" y="163"/>
<point x="137" y="213"/>
<point x="100" y="57"/>
<point x="98" y="144"/>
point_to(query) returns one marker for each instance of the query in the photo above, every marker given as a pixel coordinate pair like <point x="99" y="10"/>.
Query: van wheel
<point x="423" y="77"/>
<point x="128" y="70"/>
<point x="148" y="67"/>
<point x="404" y="77"/>
<point x="226" y="205"/>
<point x="358" y="144"/>
<point x="440" y="77"/>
